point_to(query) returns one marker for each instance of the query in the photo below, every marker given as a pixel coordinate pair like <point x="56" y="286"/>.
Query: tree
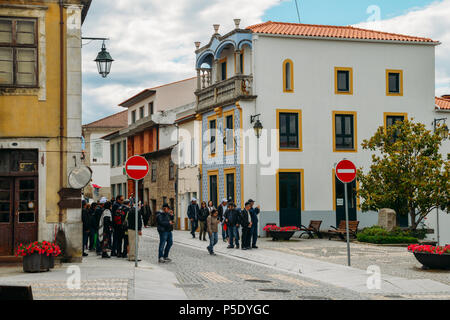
<point x="408" y="173"/>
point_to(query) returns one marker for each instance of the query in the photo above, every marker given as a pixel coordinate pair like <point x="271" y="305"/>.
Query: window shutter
<point x="6" y="65"/>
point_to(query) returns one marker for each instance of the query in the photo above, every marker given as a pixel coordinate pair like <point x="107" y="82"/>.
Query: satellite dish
<point x="80" y="177"/>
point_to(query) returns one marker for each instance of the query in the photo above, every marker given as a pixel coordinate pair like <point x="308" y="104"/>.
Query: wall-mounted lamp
<point x="257" y="127"/>
<point x="103" y="60"/>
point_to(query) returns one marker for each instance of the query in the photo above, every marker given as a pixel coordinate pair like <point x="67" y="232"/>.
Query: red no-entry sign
<point x="346" y="171"/>
<point x="136" y="167"/>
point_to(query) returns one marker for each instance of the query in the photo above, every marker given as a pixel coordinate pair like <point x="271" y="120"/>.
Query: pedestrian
<point x="105" y="229"/>
<point x="246" y="222"/>
<point x="98" y="214"/>
<point x="124" y="244"/>
<point x="85" y="220"/>
<point x="117" y="224"/>
<point x="211" y="206"/>
<point x="254" y="231"/>
<point x="232" y="220"/>
<point x="221" y="212"/>
<point x="192" y="213"/>
<point x="133" y="232"/>
<point x="92" y="226"/>
<point x="165" y="222"/>
<point x="212" y="223"/>
<point x="146" y="213"/>
<point x="202" y="216"/>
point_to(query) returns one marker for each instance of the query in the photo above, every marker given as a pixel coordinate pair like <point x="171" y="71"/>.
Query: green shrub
<point x="379" y="235"/>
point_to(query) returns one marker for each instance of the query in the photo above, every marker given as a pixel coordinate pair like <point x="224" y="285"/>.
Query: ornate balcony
<point x="239" y="87"/>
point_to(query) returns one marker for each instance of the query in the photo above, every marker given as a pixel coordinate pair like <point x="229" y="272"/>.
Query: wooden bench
<point x="341" y="231"/>
<point x="313" y="228"/>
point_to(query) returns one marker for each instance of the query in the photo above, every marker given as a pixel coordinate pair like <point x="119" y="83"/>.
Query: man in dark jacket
<point x="165" y="221"/>
<point x="132" y="232"/>
<point x="233" y="221"/>
<point x="92" y="226"/>
<point x="193" y="213"/>
<point x="146" y="213"/>
<point x="98" y="213"/>
<point x="254" y="230"/>
<point x="117" y="225"/>
<point x="246" y="222"/>
<point x="85" y="220"/>
<point x="221" y="212"/>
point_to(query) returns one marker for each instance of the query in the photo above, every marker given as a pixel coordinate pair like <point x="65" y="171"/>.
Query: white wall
<point x="100" y="168"/>
<point x="314" y="62"/>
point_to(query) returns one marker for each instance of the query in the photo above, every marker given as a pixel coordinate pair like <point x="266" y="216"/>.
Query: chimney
<point x="197" y="44"/>
<point x="237" y="22"/>
<point x="216" y="28"/>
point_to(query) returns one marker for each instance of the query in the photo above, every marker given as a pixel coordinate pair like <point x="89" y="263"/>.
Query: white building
<point x="326" y="89"/>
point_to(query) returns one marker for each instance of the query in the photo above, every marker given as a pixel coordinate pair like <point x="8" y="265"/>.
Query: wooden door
<point x="6" y="216"/>
<point x="290" y="199"/>
<point x="26" y="210"/>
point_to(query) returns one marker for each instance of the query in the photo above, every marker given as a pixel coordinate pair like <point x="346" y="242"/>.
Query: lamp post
<point x="103" y="60"/>
<point x="257" y="127"/>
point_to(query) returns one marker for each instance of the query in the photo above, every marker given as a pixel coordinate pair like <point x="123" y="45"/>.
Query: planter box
<point x="281" y="235"/>
<point x="433" y="261"/>
<point x="32" y="263"/>
<point x="45" y="263"/>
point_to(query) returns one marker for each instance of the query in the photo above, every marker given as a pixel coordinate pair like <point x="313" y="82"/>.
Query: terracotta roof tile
<point x="117" y="120"/>
<point x="442" y="103"/>
<point x="342" y="32"/>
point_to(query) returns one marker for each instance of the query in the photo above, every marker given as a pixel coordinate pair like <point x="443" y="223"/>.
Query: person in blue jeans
<point x="212" y="225"/>
<point x="233" y="221"/>
<point x="254" y="211"/>
<point x="165" y="221"/>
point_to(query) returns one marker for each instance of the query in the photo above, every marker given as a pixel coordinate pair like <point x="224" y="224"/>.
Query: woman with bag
<point x="203" y="215"/>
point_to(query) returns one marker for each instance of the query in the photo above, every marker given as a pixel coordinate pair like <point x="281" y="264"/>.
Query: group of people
<point x="110" y="226"/>
<point x="207" y="218"/>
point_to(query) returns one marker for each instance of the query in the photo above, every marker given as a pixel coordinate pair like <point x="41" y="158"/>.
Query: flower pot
<point x="51" y="261"/>
<point x="32" y="263"/>
<point x="281" y="235"/>
<point x="45" y="263"/>
<point x="433" y="261"/>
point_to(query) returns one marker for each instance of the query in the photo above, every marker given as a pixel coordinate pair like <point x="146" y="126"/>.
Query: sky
<point x="152" y="41"/>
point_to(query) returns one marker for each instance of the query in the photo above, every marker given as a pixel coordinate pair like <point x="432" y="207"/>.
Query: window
<point x="150" y="108"/>
<point x="289" y="129"/>
<point x="344" y="131"/>
<point x="124" y="151"/>
<point x="141" y="112"/>
<point x="212" y="136"/>
<point x="230" y="176"/>
<point x="133" y="116"/>
<point x="171" y="170"/>
<point x="223" y="69"/>
<point x="229" y="131"/>
<point x="343" y="78"/>
<point x="119" y="191"/>
<point x="119" y="154"/>
<point x="113" y="155"/>
<point x="394" y="82"/>
<point x="153" y="171"/>
<point x="288" y="76"/>
<point x="18" y="52"/>
<point x="113" y="190"/>
<point x="392" y="118"/>
<point x="213" y="187"/>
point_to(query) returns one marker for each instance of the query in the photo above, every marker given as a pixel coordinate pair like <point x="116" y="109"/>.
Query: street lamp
<point x="436" y="124"/>
<point x="257" y="127"/>
<point x="103" y="59"/>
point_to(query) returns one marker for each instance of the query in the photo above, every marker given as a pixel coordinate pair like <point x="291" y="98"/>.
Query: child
<point x="212" y="223"/>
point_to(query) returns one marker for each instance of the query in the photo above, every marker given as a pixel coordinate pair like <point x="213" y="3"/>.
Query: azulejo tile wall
<point x="221" y="161"/>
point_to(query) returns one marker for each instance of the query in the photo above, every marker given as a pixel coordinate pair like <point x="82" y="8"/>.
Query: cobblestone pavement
<point x="219" y="277"/>
<point x="395" y="261"/>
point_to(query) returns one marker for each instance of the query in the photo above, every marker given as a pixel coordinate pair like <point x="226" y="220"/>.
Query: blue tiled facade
<point x="221" y="161"/>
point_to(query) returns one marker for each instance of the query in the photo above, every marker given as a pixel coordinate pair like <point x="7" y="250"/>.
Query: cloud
<point x="152" y="43"/>
<point x="431" y="21"/>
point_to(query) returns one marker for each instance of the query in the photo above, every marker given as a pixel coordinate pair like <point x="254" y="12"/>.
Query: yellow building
<point x="40" y="121"/>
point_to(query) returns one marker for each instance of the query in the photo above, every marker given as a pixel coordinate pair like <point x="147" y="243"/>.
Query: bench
<point x="313" y="228"/>
<point x="341" y="230"/>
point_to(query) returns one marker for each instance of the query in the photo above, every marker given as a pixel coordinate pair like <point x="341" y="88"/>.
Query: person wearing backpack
<point x="117" y="225"/>
<point x="126" y="209"/>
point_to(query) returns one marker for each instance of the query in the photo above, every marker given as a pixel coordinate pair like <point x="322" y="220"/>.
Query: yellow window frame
<point x="209" y="174"/>
<point x="302" y="185"/>
<point x="394" y="114"/>
<point x="209" y="119"/>
<point x="355" y="130"/>
<point x="350" y="80"/>
<point x="291" y="70"/>
<point x="225" y="115"/>
<point x="225" y="173"/>
<point x="300" y="127"/>
<point x="394" y="94"/>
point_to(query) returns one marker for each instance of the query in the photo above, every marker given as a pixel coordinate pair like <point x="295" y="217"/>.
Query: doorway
<point x="290" y="198"/>
<point x="341" y="203"/>
<point x="18" y="212"/>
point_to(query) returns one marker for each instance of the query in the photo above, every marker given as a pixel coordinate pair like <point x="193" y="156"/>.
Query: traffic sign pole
<point x="346" y="224"/>
<point x="136" y="224"/>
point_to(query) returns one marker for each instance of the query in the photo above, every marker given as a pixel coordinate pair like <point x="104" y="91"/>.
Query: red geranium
<point x="429" y="249"/>
<point x="43" y="248"/>
<point x="283" y="229"/>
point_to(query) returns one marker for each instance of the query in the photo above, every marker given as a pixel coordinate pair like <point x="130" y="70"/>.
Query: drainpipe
<point x="61" y="102"/>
